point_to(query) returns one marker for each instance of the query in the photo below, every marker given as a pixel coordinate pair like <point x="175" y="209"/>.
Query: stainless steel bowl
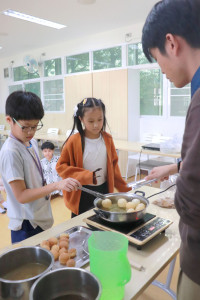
<point x="66" y="283"/>
<point x="13" y="259"/>
<point x="120" y="217"/>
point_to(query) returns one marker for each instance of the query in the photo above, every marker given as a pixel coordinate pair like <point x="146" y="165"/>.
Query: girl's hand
<point x="68" y="184"/>
<point x="162" y="172"/>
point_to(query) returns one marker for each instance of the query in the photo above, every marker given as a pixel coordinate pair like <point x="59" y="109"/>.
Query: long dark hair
<point x="81" y="109"/>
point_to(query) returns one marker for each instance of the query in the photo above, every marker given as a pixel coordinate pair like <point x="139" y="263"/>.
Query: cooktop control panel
<point x="152" y="228"/>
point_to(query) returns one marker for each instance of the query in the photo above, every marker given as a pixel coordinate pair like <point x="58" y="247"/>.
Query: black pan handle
<point x="140" y="192"/>
<point x="100" y="214"/>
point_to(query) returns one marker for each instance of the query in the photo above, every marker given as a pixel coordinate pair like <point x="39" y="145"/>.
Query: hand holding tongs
<point x="136" y="184"/>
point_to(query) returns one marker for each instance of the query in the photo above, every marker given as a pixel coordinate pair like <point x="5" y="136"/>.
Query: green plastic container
<point x="109" y="262"/>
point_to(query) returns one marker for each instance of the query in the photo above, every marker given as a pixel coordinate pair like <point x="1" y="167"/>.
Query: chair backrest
<point x="2" y="127"/>
<point x="53" y="130"/>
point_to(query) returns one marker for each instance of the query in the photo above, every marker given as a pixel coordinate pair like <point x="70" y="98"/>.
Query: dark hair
<point x="24" y="106"/>
<point x="47" y="145"/>
<point x="82" y="107"/>
<point x="178" y="17"/>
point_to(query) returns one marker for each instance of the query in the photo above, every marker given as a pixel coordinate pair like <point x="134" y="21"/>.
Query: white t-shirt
<point x="16" y="163"/>
<point x="95" y="156"/>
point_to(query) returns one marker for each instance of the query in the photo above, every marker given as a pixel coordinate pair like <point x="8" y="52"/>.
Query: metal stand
<point x="166" y="286"/>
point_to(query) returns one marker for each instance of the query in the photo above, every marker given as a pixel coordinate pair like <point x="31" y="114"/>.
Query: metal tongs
<point x="96" y="194"/>
<point x="137" y="184"/>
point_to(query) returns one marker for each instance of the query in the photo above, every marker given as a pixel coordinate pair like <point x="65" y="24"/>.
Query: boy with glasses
<point x="29" y="208"/>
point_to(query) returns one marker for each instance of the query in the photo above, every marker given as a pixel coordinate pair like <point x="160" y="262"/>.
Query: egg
<point x="122" y="202"/>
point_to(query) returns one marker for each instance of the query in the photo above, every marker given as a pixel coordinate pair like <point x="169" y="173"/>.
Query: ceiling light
<point x="16" y="14"/>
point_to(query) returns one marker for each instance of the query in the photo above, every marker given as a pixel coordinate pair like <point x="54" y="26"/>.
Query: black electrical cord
<point x="162" y="191"/>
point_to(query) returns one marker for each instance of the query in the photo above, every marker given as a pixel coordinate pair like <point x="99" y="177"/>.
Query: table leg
<point x="166" y="286"/>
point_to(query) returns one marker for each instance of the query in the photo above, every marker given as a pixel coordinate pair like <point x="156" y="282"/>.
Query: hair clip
<point x="84" y="101"/>
<point x="75" y="110"/>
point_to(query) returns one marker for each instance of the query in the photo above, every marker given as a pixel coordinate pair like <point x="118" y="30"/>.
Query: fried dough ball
<point x="65" y="235"/>
<point x="64" y="244"/>
<point x="135" y="202"/>
<point x="55" y="254"/>
<point x="130" y="205"/>
<point x="46" y="247"/>
<point x="63" y="250"/>
<point x="64" y="238"/>
<point x="63" y="258"/>
<point x="72" y="252"/>
<point x="45" y="243"/>
<point x="55" y="247"/>
<point x="53" y="241"/>
<point x="106" y="203"/>
<point x="71" y="263"/>
<point x="140" y="206"/>
<point x="130" y="210"/>
<point x="122" y="202"/>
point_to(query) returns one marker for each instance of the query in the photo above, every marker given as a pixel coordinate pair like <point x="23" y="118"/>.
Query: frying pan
<point x="120" y="216"/>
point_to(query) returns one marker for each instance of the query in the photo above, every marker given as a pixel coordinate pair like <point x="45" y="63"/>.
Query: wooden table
<point x="154" y="256"/>
<point x="137" y="147"/>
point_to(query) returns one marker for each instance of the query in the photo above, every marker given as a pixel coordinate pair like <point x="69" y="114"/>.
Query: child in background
<point x="90" y="157"/>
<point x="2" y="201"/>
<point x="29" y="208"/>
<point x="49" y="165"/>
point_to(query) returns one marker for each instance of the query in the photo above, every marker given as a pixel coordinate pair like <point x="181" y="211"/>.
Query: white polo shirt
<point x="17" y="164"/>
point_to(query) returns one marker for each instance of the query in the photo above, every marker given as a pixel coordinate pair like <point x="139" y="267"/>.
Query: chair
<point x="54" y="131"/>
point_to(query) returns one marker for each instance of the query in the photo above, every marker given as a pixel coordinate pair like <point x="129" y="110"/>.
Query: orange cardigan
<point x="70" y="164"/>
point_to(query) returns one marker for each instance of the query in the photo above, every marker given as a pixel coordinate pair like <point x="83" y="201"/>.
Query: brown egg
<point x="53" y="241"/>
<point x="46" y="247"/>
<point x="64" y="244"/>
<point x="71" y="263"/>
<point x="65" y="235"/>
<point x="45" y="243"/>
<point x="55" y="254"/>
<point x="63" y="258"/>
<point x="55" y="247"/>
<point x="72" y="252"/>
<point x="63" y="250"/>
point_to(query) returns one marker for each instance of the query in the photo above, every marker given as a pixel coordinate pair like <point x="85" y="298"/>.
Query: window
<point x="179" y="100"/>
<point x="107" y="58"/>
<point x="52" y="67"/>
<point x="13" y="88"/>
<point x="78" y="63"/>
<point x="20" y="73"/>
<point x="136" y="55"/>
<point x="151" y="92"/>
<point x="53" y="95"/>
<point x="33" y="87"/>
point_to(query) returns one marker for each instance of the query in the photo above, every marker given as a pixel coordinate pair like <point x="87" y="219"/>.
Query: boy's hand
<point x="69" y="184"/>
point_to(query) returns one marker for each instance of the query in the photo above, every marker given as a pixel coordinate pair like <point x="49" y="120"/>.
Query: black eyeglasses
<point x="29" y="128"/>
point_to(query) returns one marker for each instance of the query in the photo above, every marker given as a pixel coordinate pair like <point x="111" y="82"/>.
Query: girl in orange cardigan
<point x="90" y="157"/>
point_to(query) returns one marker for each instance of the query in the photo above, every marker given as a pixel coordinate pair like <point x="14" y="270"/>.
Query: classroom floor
<point x="61" y="214"/>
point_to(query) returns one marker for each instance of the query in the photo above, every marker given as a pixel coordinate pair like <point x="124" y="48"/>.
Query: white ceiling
<point x="18" y="36"/>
